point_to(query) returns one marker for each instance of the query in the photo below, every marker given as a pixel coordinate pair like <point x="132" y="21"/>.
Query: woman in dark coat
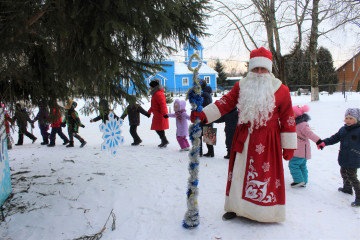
<point x="160" y="121"/>
<point x="133" y="111"/>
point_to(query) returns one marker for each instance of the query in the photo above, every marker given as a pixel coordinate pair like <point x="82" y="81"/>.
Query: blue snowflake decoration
<point x="111" y="134"/>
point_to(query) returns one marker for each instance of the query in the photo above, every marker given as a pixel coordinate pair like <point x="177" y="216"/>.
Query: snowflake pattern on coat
<point x="260" y="148"/>
<point x="111" y="134"/>
<point x="291" y="121"/>
<point x="266" y="166"/>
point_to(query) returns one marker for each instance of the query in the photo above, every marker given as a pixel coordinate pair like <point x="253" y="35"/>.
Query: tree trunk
<point x="314" y="74"/>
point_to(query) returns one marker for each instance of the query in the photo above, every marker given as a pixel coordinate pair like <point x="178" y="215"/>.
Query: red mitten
<point x="321" y="146"/>
<point x="288" y="154"/>
<point x="200" y="115"/>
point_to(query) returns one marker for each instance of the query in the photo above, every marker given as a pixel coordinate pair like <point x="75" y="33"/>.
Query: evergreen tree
<point x="221" y="79"/>
<point x="52" y="50"/>
<point x="298" y="69"/>
<point x="327" y="74"/>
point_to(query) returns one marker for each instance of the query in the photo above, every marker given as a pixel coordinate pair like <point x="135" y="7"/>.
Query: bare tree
<point x="249" y="20"/>
<point x="343" y="12"/>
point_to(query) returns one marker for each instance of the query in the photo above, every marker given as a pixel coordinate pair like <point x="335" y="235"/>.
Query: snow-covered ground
<point x="62" y="193"/>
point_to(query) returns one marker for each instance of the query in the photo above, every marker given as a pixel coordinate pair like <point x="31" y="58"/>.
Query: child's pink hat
<point x="300" y="110"/>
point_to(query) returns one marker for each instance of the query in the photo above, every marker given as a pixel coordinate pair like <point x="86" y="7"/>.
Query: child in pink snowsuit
<point x="181" y="124"/>
<point x="297" y="164"/>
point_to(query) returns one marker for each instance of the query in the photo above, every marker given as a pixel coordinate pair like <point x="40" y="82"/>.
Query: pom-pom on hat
<point x="300" y="110"/>
<point x="154" y="83"/>
<point x="353" y="112"/>
<point x="260" y="58"/>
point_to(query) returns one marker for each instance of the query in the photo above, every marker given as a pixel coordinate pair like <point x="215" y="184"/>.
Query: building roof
<point x="181" y="68"/>
<point x="342" y="66"/>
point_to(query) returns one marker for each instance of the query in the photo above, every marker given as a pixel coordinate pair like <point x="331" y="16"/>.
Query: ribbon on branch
<point x="191" y="218"/>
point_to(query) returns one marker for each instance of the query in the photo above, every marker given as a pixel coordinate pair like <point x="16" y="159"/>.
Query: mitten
<point x="148" y="115"/>
<point x="62" y="124"/>
<point x="82" y="125"/>
<point x="166" y="116"/>
<point x="288" y="154"/>
<point x="200" y="115"/>
<point x="32" y="125"/>
<point x="91" y="120"/>
<point x="320" y="144"/>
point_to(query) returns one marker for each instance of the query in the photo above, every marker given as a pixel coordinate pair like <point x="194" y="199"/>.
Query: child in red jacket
<point x="55" y="120"/>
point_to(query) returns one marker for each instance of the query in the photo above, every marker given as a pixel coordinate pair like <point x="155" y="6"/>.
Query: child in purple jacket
<point x="181" y="124"/>
<point x="297" y="164"/>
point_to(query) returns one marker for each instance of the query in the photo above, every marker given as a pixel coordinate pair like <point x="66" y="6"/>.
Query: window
<point x="207" y="79"/>
<point x="185" y="81"/>
<point x="126" y="82"/>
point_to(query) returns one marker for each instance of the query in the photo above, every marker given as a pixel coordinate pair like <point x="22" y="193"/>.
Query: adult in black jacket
<point x="230" y="119"/>
<point x="133" y="111"/>
<point x="207" y="99"/>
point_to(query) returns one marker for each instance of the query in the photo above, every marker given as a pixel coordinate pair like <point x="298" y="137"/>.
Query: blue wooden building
<point x="176" y="77"/>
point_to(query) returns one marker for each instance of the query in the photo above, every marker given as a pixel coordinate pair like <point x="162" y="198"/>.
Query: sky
<point x="342" y="43"/>
<point x="66" y="193"/>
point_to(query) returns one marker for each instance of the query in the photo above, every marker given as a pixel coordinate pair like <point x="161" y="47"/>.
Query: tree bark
<point x="314" y="35"/>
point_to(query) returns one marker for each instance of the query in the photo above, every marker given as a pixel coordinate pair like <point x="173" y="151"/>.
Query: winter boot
<point x="227" y="156"/>
<point x="136" y="142"/>
<point x="51" y="145"/>
<point x="66" y="141"/>
<point x="34" y="139"/>
<point x="164" y="142"/>
<point x="210" y="152"/>
<point x="228" y="216"/>
<point x="346" y="189"/>
<point x="83" y="143"/>
<point x="357" y="202"/>
<point x="71" y="144"/>
<point x="296" y="185"/>
<point x="45" y="142"/>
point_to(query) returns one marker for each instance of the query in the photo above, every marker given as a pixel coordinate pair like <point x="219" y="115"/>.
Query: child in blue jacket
<point x="349" y="154"/>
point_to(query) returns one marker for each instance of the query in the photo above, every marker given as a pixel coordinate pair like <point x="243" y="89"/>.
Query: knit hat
<point x="260" y="58"/>
<point x="353" y="112"/>
<point x="69" y="103"/>
<point x="154" y="83"/>
<point x="300" y="110"/>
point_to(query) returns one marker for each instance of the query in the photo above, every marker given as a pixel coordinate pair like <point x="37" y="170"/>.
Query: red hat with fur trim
<point x="260" y="58"/>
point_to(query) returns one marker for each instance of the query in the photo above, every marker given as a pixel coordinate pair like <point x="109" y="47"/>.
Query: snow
<point x="62" y="193"/>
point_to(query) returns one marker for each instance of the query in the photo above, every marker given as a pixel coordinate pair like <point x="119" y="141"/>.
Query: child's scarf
<point x="178" y="114"/>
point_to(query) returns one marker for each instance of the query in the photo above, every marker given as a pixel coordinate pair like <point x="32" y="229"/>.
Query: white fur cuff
<point x="212" y="112"/>
<point x="288" y="140"/>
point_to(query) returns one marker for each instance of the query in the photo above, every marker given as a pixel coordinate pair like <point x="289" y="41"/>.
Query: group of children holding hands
<point x="349" y="153"/>
<point x="348" y="136"/>
<point x="45" y="120"/>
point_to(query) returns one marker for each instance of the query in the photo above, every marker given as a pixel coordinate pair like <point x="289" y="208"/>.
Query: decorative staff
<point x="191" y="219"/>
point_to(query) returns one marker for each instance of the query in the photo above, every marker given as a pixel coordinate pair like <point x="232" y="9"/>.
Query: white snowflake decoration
<point x="259" y="148"/>
<point x="266" y="166"/>
<point x="111" y="134"/>
<point x="278" y="183"/>
<point x="291" y="121"/>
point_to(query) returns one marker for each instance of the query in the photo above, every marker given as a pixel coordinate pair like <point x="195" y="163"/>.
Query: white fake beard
<point x="256" y="100"/>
